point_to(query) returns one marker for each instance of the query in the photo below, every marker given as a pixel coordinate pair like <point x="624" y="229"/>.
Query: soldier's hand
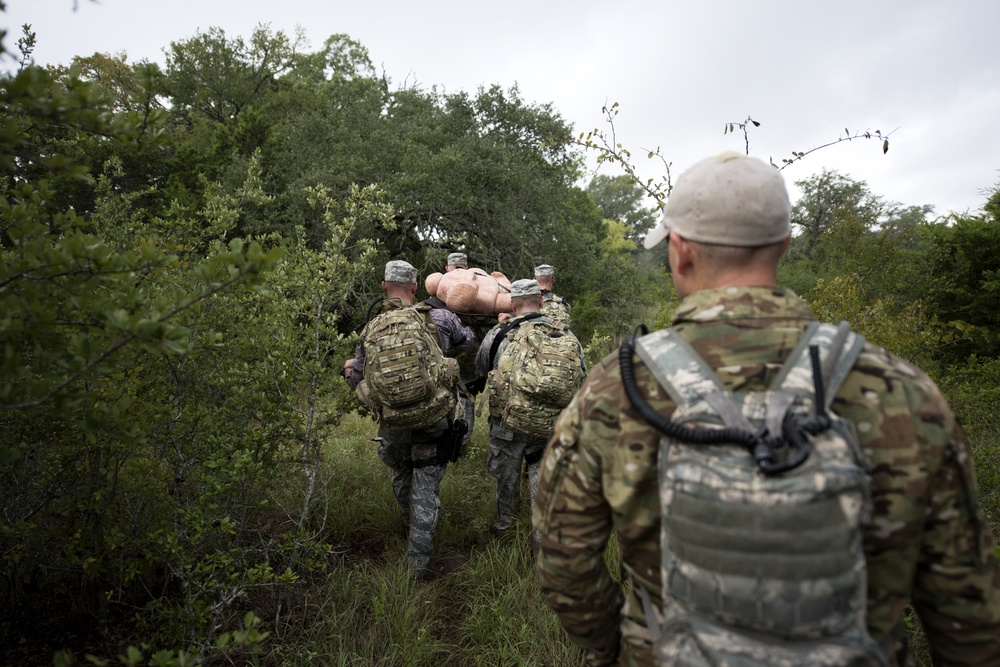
<point x="503" y="317"/>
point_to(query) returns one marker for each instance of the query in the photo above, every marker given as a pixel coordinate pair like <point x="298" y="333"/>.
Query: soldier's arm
<point x="456" y="338"/>
<point x="927" y="542"/>
<point x="483" y="365"/>
<point x="575" y="522"/>
<point x="357" y="369"/>
<point x="957" y="584"/>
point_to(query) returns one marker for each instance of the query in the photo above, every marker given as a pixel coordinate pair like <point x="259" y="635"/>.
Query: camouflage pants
<point x="507" y="450"/>
<point x="469" y="410"/>
<point x="416" y="486"/>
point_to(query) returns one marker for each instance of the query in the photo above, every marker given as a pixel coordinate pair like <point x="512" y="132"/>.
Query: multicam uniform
<point x="927" y="543"/>
<point x="507" y="448"/>
<point x="556" y="307"/>
<point x="407" y="451"/>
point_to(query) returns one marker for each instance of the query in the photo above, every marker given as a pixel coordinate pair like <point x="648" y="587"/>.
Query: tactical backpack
<point x="556" y="308"/>
<point x="536" y="377"/>
<point x="763" y="496"/>
<point x="408" y="382"/>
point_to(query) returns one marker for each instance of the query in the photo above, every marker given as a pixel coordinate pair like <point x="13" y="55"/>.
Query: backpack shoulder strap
<point x="687" y="377"/>
<point x="839" y="349"/>
<point x="677" y="367"/>
<point x="435" y="302"/>
<point x="506" y="329"/>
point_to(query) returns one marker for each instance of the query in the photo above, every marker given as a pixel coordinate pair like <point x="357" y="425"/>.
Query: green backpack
<point x="764" y="496"/>
<point x="536" y="377"/>
<point x="408" y="382"/>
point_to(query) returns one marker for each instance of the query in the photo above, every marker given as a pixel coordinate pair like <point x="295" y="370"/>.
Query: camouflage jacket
<point x="455" y="338"/>
<point x="928" y="542"/>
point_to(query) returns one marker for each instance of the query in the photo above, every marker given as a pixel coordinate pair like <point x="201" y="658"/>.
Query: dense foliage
<point x="186" y="253"/>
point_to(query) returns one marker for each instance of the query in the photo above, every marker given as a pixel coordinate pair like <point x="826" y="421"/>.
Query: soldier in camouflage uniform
<point x="471" y="380"/>
<point x="508" y="448"/>
<point x="927" y="543"/>
<point x="413" y="453"/>
<point x="553" y="306"/>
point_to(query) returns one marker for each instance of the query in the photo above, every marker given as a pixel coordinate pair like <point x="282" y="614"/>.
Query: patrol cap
<point x="458" y="259"/>
<point x="398" y="271"/>
<point x="545" y="270"/>
<point x="524" y="287"/>
<point x="729" y="199"/>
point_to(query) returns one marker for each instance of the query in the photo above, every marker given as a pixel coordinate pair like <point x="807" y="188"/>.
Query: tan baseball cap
<point x="729" y="199"/>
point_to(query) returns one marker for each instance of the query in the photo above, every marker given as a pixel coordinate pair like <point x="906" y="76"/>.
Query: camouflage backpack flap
<point x="408" y="380"/>
<point x="761" y="568"/>
<point x="556" y="308"/>
<point x="536" y="377"/>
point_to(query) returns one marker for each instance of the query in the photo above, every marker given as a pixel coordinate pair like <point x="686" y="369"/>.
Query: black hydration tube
<point x="761" y="448"/>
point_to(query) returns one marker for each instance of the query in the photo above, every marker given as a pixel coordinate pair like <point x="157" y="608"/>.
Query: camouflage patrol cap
<point x="545" y="270"/>
<point x="458" y="259"/>
<point x="398" y="271"/>
<point x="729" y="199"/>
<point x="524" y="287"/>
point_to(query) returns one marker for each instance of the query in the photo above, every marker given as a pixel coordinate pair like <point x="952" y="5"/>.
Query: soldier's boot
<point x="423" y="569"/>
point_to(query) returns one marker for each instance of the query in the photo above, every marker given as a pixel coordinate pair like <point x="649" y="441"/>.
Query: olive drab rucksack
<point x="763" y="496"/>
<point x="537" y="376"/>
<point x="408" y="382"/>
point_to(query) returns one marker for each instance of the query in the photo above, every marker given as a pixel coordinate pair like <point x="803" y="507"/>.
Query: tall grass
<point x="484" y="607"/>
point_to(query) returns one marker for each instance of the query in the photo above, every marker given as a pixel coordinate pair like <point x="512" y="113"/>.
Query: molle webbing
<point x="777" y="557"/>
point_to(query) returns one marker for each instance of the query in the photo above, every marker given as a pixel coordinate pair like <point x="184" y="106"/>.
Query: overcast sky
<point x="926" y="70"/>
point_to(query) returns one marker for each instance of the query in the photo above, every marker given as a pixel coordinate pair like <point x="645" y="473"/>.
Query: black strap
<point x="435" y="302"/>
<point x="507" y="328"/>
<point x="534" y="457"/>
<point x="368" y="317"/>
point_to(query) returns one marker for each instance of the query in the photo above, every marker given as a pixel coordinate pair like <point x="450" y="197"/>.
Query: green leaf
<point x="885" y="147"/>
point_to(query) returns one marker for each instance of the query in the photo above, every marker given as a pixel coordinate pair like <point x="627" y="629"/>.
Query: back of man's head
<point x="545" y="274"/>
<point x="525" y="296"/>
<point x="399" y="280"/>
<point x="727" y="200"/>
<point x="457" y="260"/>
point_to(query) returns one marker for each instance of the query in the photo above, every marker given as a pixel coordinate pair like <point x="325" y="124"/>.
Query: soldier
<point x="508" y="448"/>
<point x="414" y="454"/>
<point x="472" y="382"/>
<point x="456" y="260"/>
<point x="927" y="543"/>
<point x="553" y="306"/>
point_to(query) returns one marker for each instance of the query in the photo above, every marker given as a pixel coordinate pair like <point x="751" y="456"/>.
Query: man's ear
<point x="682" y="251"/>
<point x="383" y="285"/>
<point x="413" y="288"/>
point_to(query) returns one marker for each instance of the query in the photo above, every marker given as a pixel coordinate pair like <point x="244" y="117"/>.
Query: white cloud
<point x="679" y="69"/>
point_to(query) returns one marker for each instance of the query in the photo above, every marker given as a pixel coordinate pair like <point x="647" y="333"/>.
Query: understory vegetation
<point x="186" y="256"/>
